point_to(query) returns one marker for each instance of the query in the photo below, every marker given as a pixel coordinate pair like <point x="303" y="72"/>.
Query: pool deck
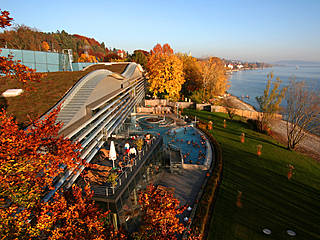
<point x="189" y="181"/>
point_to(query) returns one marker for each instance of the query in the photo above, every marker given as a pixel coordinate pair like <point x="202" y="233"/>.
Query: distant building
<point x="230" y="66"/>
<point x="121" y="53"/>
<point x="239" y="66"/>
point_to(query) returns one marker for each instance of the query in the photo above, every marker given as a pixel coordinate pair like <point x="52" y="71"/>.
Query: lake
<point x="253" y="82"/>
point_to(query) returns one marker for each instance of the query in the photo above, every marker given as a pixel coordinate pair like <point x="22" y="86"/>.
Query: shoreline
<point x="236" y="102"/>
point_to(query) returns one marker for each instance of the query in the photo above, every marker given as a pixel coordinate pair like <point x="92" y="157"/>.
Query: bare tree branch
<point x="302" y="111"/>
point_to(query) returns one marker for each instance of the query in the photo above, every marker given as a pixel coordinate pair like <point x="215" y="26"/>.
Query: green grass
<point x="269" y="199"/>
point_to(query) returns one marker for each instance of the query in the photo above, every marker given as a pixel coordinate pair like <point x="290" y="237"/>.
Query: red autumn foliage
<point x="16" y="71"/>
<point x="13" y="69"/>
<point x="5" y="20"/>
<point x="111" y="57"/>
<point x="160" y="214"/>
<point x="30" y="159"/>
<point x="91" y="41"/>
<point x="159" y="50"/>
<point x="29" y="162"/>
<point x="75" y="216"/>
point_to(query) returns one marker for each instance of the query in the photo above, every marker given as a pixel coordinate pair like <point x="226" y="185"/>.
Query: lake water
<point x="253" y="82"/>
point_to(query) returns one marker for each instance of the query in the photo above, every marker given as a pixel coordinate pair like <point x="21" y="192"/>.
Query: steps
<point x="78" y="100"/>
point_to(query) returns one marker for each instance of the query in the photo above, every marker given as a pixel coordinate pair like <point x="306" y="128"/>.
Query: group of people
<point x="131" y="152"/>
<point x="194" y="143"/>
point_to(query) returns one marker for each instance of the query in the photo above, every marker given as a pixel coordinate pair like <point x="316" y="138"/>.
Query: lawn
<point x="269" y="199"/>
<point x="45" y="93"/>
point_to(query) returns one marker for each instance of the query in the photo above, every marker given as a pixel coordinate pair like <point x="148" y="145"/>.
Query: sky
<point x="247" y="30"/>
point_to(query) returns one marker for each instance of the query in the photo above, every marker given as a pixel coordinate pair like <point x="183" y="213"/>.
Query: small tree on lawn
<point x="302" y="111"/>
<point x="269" y="102"/>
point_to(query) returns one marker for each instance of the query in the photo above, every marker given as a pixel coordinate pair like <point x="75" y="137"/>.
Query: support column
<point x="135" y="199"/>
<point x="115" y="221"/>
<point x="147" y="174"/>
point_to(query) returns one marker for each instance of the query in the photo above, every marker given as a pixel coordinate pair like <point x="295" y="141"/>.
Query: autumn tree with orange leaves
<point x="30" y="160"/>
<point x="165" y="72"/>
<point x="160" y="210"/>
<point x="45" y="46"/>
<point x="87" y="58"/>
<point x="160" y="215"/>
<point x="214" y="77"/>
<point x="192" y="75"/>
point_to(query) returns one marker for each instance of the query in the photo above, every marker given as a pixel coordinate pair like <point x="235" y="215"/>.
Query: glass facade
<point x="40" y="61"/>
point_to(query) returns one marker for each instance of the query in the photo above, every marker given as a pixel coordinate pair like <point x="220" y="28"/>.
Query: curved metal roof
<point x="92" y="87"/>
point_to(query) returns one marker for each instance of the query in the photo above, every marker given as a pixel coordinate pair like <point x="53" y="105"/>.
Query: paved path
<point x="310" y="145"/>
<point x="186" y="185"/>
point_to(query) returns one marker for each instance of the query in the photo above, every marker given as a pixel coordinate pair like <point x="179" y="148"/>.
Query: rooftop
<point x="47" y="92"/>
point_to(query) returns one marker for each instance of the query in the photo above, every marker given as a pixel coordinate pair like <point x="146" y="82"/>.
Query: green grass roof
<point x="45" y="93"/>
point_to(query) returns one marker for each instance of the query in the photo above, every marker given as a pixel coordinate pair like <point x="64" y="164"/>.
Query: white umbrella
<point x="112" y="153"/>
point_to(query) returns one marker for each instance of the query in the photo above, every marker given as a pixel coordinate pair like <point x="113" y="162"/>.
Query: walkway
<point x="186" y="185"/>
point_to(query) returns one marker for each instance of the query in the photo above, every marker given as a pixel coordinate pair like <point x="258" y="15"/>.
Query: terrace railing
<point x="125" y="177"/>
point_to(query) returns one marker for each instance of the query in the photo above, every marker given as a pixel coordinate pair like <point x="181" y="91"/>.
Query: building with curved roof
<point x="95" y="108"/>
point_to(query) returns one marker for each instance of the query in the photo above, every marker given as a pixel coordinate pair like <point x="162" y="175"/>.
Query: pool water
<point x="193" y="147"/>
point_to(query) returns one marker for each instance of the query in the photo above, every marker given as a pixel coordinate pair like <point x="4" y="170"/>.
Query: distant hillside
<point x="296" y="62"/>
<point x="23" y="37"/>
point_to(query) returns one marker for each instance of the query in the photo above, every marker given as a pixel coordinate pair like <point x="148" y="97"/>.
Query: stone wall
<point x="242" y="113"/>
<point x="164" y="102"/>
<point x="164" y="106"/>
<point x="156" y="102"/>
<point x="158" y="110"/>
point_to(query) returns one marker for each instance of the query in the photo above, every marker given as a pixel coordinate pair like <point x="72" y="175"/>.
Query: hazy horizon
<point x="251" y="31"/>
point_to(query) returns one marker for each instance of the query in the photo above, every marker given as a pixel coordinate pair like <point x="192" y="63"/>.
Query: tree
<point x="192" y="75"/>
<point x="87" y="58"/>
<point x="159" y="210"/>
<point x="229" y="108"/>
<point x="30" y="160"/>
<point x="24" y="37"/>
<point x="75" y="216"/>
<point x="110" y="57"/>
<point x="139" y="57"/>
<point x="5" y="20"/>
<point x="12" y="69"/>
<point x="165" y="72"/>
<point x="214" y="78"/>
<point x="45" y="46"/>
<point x="302" y="112"/>
<point x="269" y="103"/>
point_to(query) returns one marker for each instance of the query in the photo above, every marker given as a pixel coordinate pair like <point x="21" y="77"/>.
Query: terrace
<point x="108" y="181"/>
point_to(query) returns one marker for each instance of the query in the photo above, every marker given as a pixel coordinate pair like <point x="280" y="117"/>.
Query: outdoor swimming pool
<point x="193" y="147"/>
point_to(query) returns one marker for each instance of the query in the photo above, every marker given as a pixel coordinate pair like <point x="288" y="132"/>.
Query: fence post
<point x="35" y="63"/>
